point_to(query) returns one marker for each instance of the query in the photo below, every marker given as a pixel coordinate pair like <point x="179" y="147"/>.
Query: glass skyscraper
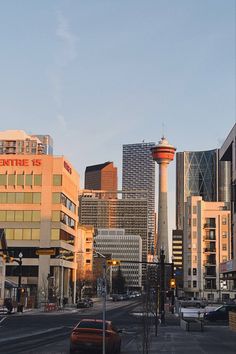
<point x="138" y="173"/>
<point x="200" y="173"/>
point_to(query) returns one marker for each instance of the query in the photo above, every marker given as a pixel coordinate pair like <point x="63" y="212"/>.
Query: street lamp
<point x="19" y="261"/>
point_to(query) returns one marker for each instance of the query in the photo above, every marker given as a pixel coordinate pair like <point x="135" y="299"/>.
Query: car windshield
<point x="91" y="324"/>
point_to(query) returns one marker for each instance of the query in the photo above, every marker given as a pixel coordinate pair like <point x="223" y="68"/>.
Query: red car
<point x="87" y="337"/>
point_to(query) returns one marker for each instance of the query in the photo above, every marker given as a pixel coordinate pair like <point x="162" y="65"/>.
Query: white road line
<point x="3" y="319"/>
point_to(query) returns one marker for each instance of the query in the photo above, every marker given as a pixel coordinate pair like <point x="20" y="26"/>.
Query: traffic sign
<point x="46" y="251"/>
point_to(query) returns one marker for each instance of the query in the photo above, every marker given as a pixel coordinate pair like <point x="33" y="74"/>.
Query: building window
<point x="189" y="271"/>
<point x="189" y="283"/>
<point x="29" y="180"/>
<point x="194" y="222"/>
<point x="28" y="198"/>
<point x="36" y="198"/>
<point x="11" y="198"/>
<point x="56" y="198"/>
<point x="19" y="215"/>
<point x="35" y="234"/>
<point x="224" y="234"/>
<point x="194" y="271"/>
<point x="194" y="209"/>
<point x="55" y="234"/>
<point x="20" y="198"/>
<point x="38" y="180"/>
<point x="10" y="215"/>
<point x="194" y="283"/>
<point x="20" y="180"/>
<point x="26" y="234"/>
<point x="224" y="221"/>
<point x="224" y="247"/>
<point x="57" y="180"/>
<point x="3" y="180"/>
<point x="11" y="180"/>
<point x="56" y="215"/>
<point x="194" y="234"/>
<point x="88" y="261"/>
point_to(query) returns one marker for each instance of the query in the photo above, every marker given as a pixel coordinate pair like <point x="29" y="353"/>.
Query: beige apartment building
<point x="38" y="210"/>
<point x="207" y="235"/>
<point x="85" y="252"/>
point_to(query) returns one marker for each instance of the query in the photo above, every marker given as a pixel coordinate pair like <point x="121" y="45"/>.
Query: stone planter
<point x="192" y="325"/>
<point x="232" y="320"/>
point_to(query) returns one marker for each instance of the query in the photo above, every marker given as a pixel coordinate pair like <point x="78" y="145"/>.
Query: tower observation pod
<point x="163" y="154"/>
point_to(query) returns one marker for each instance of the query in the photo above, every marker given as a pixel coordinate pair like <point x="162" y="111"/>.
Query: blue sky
<point x="96" y="74"/>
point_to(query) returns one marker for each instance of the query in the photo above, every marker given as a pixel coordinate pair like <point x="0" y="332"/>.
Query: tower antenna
<point x="163" y="129"/>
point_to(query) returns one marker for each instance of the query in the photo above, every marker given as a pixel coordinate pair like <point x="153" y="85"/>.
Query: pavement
<point x="172" y="339"/>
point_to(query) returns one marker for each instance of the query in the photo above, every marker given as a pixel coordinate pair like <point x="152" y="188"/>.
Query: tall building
<point x="119" y="212"/>
<point x="19" y="143"/>
<point x="138" y="173"/>
<point x="163" y="154"/>
<point x="199" y="173"/>
<point x="207" y="243"/>
<point x="228" y="153"/>
<point x="123" y="247"/>
<point x="101" y="177"/>
<point x="39" y="212"/>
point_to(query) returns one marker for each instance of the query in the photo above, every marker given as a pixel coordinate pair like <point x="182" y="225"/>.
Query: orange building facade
<point x="39" y="212"/>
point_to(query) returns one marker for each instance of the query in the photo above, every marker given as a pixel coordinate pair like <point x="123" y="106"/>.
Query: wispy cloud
<point x="68" y="38"/>
<point x="67" y="54"/>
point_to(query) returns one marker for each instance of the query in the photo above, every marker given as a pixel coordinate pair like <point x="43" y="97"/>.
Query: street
<point x="48" y="333"/>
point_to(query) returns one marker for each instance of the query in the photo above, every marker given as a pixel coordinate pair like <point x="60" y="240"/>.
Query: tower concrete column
<point x="163" y="154"/>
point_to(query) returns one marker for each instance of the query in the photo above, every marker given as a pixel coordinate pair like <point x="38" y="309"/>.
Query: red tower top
<point x="163" y="152"/>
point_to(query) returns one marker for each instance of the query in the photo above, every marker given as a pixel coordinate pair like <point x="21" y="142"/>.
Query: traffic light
<point x="172" y="283"/>
<point x="113" y="262"/>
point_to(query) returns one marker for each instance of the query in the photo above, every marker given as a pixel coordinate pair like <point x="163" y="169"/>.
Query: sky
<point x="97" y="74"/>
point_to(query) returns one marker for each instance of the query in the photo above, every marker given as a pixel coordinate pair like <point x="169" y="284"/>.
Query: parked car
<point x="219" y="314"/>
<point x="87" y="337"/>
<point x="194" y="303"/>
<point x="82" y="304"/>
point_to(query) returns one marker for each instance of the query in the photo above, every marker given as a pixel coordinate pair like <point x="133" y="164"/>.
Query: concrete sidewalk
<point x="172" y="339"/>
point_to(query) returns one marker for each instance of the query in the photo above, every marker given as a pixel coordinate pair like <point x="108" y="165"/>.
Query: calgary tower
<point x="163" y="154"/>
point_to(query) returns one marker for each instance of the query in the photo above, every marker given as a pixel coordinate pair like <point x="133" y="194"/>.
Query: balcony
<point x="209" y="250"/>
<point x="209" y="225"/>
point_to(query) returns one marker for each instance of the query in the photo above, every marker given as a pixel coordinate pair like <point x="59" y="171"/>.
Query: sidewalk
<point x="172" y="339"/>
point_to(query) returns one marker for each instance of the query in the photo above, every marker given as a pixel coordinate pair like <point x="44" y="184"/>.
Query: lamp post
<point x="19" y="261"/>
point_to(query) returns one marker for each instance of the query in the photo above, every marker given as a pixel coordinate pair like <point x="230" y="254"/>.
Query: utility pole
<point x="172" y="291"/>
<point x="19" y="261"/>
<point x="104" y="292"/>
<point x="162" y="287"/>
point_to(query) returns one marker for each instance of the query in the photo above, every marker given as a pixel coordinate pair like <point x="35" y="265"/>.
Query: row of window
<point x="22" y="234"/>
<point x="20" y="215"/>
<point x="20" y="198"/>
<point x="58" y="234"/>
<point x="27" y="180"/>
<point x="60" y="216"/>
<point x="20" y="180"/>
<point x="60" y="198"/>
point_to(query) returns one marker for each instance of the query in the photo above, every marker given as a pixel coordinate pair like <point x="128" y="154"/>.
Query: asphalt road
<point x="34" y="333"/>
<point x="49" y="333"/>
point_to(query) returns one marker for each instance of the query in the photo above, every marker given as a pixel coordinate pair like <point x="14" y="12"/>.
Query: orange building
<point x="101" y="177"/>
<point x="38" y="210"/>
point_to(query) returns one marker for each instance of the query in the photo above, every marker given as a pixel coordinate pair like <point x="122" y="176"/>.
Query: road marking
<point x="3" y="319"/>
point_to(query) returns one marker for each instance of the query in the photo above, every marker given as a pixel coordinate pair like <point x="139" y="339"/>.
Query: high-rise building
<point x="138" y="173"/>
<point x="19" y="143"/>
<point x="122" y="247"/>
<point x="207" y="243"/>
<point x="199" y="173"/>
<point x="163" y="154"/>
<point x="96" y="209"/>
<point x="228" y="153"/>
<point x="101" y="177"/>
<point x="39" y="212"/>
